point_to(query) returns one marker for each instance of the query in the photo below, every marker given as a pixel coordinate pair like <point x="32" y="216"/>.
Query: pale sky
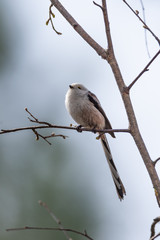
<point x="38" y="75"/>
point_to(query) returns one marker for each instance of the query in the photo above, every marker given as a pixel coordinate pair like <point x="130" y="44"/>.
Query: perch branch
<point x="110" y="57"/>
<point x="52" y="229"/>
<point x="43" y="125"/>
<point x="4" y="131"/>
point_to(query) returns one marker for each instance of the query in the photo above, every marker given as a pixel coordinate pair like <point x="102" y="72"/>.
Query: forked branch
<point x="153" y="233"/>
<point x="110" y="57"/>
<point x="143" y="71"/>
<point x="46" y="125"/>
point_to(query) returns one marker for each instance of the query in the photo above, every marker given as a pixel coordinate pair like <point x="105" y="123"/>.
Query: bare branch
<point x="110" y="57"/>
<point x="39" y="135"/>
<point x="35" y="120"/>
<point x="144" y="24"/>
<point x="143" y="71"/>
<point x="43" y="204"/>
<point x="26" y="109"/>
<point x="46" y="125"/>
<point x="129" y="109"/>
<point x="52" y="229"/>
<point x="4" y="131"/>
<point x="155" y="236"/>
<point x="101" y="51"/>
<point x="98" y="5"/>
<point x="51" y="15"/>
<point x="155" y="221"/>
<point x="107" y="28"/>
<point x="154" y="162"/>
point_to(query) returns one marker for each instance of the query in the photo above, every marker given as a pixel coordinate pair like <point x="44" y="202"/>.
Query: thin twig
<point x="43" y="204"/>
<point x="155" y="221"/>
<point x="143" y="71"/>
<point x="56" y="135"/>
<point x="107" y="28"/>
<point x="155" y="236"/>
<point x="35" y="120"/>
<point x="98" y="5"/>
<point x="154" y="162"/>
<point x="144" y="24"/>
<point x="52" y="229"/>
<point x="51" y="15"/>
<point x="4" y="131"/>
<point x="39" y="135"/>
<point x="44" y="125"/>
<point x="100" y="51"/>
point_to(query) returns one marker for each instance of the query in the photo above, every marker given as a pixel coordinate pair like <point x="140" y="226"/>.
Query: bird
<point x="86" y="110"/>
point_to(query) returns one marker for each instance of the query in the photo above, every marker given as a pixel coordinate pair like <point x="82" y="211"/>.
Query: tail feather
<point x="116" y="178"/>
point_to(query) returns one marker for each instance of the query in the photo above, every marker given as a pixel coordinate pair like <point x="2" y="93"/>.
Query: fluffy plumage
<point x="86" y="110"/>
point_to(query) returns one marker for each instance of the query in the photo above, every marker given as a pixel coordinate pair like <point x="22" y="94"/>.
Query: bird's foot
<point x="79" y="128"/>
<point x="99" y="136"/>
<point x="93" y="129"/>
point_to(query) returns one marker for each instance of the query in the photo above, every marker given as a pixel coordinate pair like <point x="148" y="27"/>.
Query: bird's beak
<point x="71" y="86"/>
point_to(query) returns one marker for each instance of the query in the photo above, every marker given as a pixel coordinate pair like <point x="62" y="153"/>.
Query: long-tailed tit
<point x="86" y="110"/>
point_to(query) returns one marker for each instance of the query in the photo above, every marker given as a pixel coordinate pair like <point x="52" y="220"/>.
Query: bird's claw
<point x="93" y="129"/>
<point x="79" y="128"/>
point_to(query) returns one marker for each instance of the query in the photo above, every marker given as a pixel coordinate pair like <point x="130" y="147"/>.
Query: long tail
<point x="116" y="178"/>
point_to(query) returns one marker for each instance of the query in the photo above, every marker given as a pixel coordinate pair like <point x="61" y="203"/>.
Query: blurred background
<point x="72" y="176"/>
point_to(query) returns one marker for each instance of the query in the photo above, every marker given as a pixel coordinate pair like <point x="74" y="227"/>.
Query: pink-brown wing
<point x="92" y="98"/>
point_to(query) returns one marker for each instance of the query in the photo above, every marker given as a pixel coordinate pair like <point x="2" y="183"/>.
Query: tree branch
<point x="107" y="28"/>
<point x="155" y="162"/>
<point x="46" y="125"/>
<point x="143" y="71"/>
<point x="101" y="51"/>
<point x="110" y="57"/>
<point x="155" y="221"/>
<point x="98" y="5"/>
<point x="144" y="24"/>
<point x="52" y="229"/>
<point x="4" y="131"/>
<point x="130" y="111"/>
<point x="51" y="15"/>
<point x="154" y="237"/>
<point x="43" y="204"/>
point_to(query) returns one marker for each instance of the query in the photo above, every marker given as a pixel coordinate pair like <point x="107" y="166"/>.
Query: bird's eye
<point x="79" y="87"/>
